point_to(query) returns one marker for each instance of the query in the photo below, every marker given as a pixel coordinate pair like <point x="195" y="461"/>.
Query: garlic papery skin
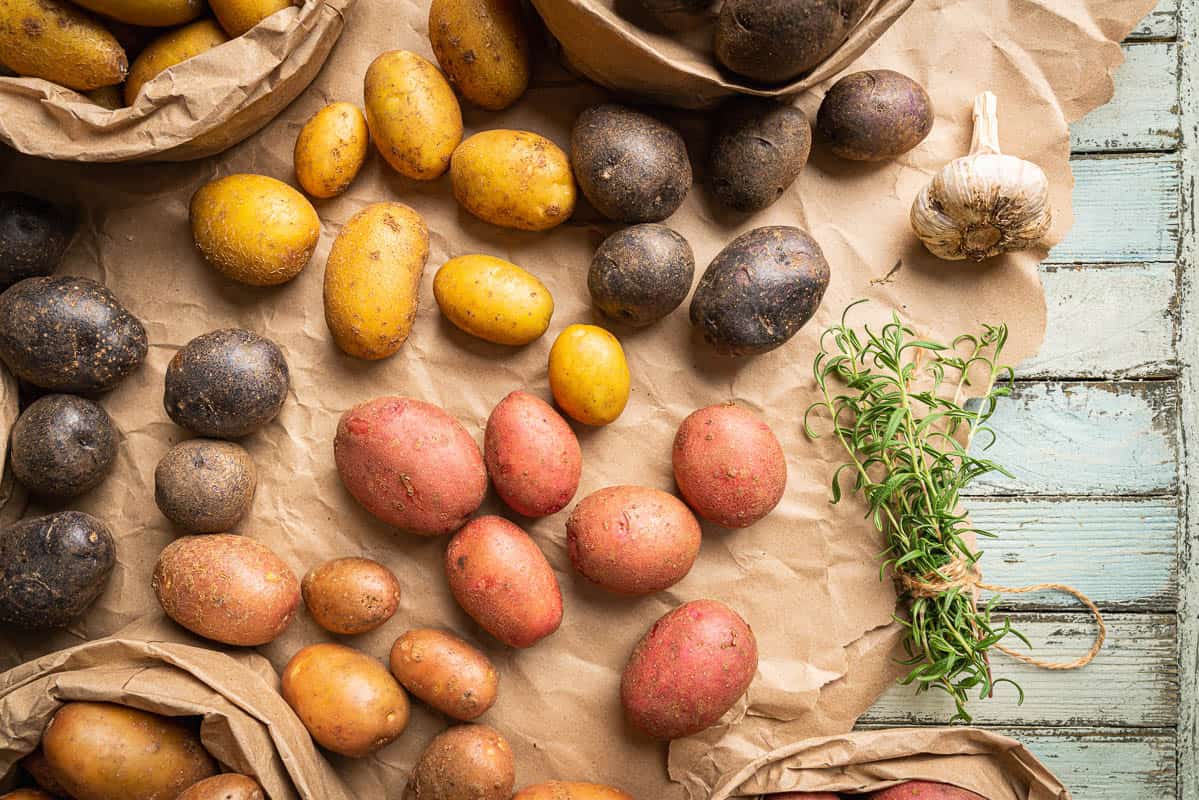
<point x="985" y="203"/>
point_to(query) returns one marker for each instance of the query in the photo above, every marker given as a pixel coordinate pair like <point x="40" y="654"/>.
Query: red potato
<point x="632" y="539"/>
<point x="410" y="464"/>
<point x="501" y="579"/>
<point x="924" y="790"/>
<point x="688" y="670"/>
<point x="729" y="465"/>
<point x="532" y="455"/>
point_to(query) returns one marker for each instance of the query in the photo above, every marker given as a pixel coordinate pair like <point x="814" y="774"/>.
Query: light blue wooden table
<point x="1098" y="434"/>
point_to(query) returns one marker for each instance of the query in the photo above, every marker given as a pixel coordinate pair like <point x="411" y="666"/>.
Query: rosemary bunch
<point x="895" y="404"/>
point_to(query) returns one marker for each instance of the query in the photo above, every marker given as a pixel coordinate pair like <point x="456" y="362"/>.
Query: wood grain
<point x="1161" y="23"/>
<point x="1143" y="115"/>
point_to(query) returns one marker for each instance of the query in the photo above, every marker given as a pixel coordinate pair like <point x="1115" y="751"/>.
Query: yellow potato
<point x="330" y="150"/>
<point x="56" y="41"/>
<point x="238" y="16"/>
<point x="254" y="229"/>
<point x="170" y="49"/>
<point x="493" y="299"/>
<point x="483" y="47"/>
<point x="570" y="790"/>
<point x="516" y="179"/>
<point x="372" y="279"/>
<point x="150" y="13"/>
<point x="107" y="96"/>
<point x="412" y="114"/>
<point x="588" y="374"/>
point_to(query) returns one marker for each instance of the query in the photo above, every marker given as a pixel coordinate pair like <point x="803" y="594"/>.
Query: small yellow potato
<point x="56" y="41"/>
<point x="515" y="179"/>
<point x="148" y="13"/>
<point x="238" y="16"/>
<point x="170" y="49"/>
<point x="331" y="149"/>
<point x="412" y="114"/>
<point x="493" y="299"/>
<point x="588" y="374"/>
<point x="483" y="47"/>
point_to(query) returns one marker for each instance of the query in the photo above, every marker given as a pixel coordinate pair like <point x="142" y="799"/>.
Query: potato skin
<point x="52" y="568"/>
<point x="570" y="790"/>
<point x="347" y="700"/>
<point x="331" y="149"/>
<point x="514" y="179"/>
<point x="231" y="589"/>
<point x="34" y="236"/>
<point x="69" y="335"/>
<point x="493" y="299"/>
<point x="63" y="446"/>
<point x="446" y="672"/>
<point x="410" y="464"/>
<point x="483" y="47"/>
<point x="532" y="455"/>
<point x="502" y="580"/>
<point x="58" y="42"/>
<point x="759" y="149"/>
<point x="238" y="16"/>
<point x="641" y="273"/>
<point x="254" y="229"/>
<point x="774" y="41"/>
<point x="170" y="49"/>
<point x="589" y="375"/>
<point x="632" y="539"/>
<point x="147" y="13"/>
<point x="372" y="280"/>
<point x="38" y="768"/>
<point x="465" y="762"/>
<point x="412" y="114"/>
<point x="688" y="670"/>
<point x="875" y="115"/>
<point x="27" y="794"/>
<point x="205" y="485"/>
<point x="103" y="750"/>
<point x="229" y="786"/>
<point x="924" y="790"/>
<point x="760" y="290"/>
<point x="631" y="166"/>
<point x="351" y="595"/>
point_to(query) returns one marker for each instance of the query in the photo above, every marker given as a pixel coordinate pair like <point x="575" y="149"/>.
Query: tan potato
<point x="348" y="701"/>
<point x="466" y="762"/>
<point x="570" y="790"/>
<point x="56" y="41"/>
<point x="532" y="455"/>
<point x="100" y="751"/>
<point x="351" y="595"/>
<point x="170" y="49"/>
<point x="483" y="47"/>
<point x="238" y="16"/>
<point x="147" y="13"/>
<point x="331" y="149"/>
<point x="372" y="279"/>
<point x="412" y="114"/>
<point x="515" y="179"/>
<point x="493" y="299"/>
<point x="447" y="673"/>
<point x="205" y="485"/>
<point x="224" y="787"/>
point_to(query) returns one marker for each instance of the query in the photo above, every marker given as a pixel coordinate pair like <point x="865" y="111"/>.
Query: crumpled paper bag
<point x="12" y="496"/>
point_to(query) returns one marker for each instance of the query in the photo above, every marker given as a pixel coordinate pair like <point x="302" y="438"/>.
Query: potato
<point x="63" y="446"/>
<point x="729" y="465"/>
<point x="570" y="790"/>
<point x="758" y="151"/>
<point x="226" y="384"/>
<point x="632" y="539"/>
<point x="532" y="455"/>
<point x="412" y="114"/>
<point x="632" y="167"/>
<point x="229" y="786"/>
<point x="410" y="464"/>
<point x="514" y="179"/>
<point x="588" y="374"/>
<point x="56" y="41"/>
<point x="52" y="568"/>
<point x="924" y="790"/>
<point x="805" y="796"/>
<point x="110" y="97"/>
<point x="690" y="668"/>
<point x="465" y="762"/>
<point x="447" y="673"/>
<point x="351" y="595"/>
<point x="372" y="279"/>
<point x="34" y="236"/>
<point x="171" y="48"/>
<point x="641" y="273"/>
<point x="875" y="115"/>
<point x="231" y="589"/>
<point x="347" y="700"/>
<point x="760" y="290"/>
<point x="148" y="13"/>
<point x="39" y="769"/>
<point x="331" y="149"/>
<point x="493" y="299"/>
<point x="775" y="41"/>
<point x="100" y="751"/>
<point x="254" y="229"/>
<point x="27" y="794"/>
<point x="238" y="16"/>
<point x="69" y="335"/>
<point x="501" y="579"/>
<point x="205" y="485"/>
<point x="484" y="49"/>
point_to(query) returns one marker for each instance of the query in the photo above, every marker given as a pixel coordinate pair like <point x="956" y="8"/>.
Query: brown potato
<point x="229" y="786"/>
<point x="39" y="769"/>
<point x="351" y="595"/>
<point x="532" y="455"/>
<point x="875" y="115"/>
<point x="923" y="790"/>
<point x="63" y="446"/>
<point x="27" y="794"/>
<point x="205" y="485"/>
<point x="483" y="47"/>
<point x="775" y="41"/>
<point x="759" y="149"/>
<point x="34" y="236"/>
<point x="570" y="790"/>
<point x="446" y="672"/>
<point x="641" y="273"/>
<point x="465" y="762"/>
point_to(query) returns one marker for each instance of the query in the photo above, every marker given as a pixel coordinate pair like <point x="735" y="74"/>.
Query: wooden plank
<point x="1133" y="682"/>
<point x="1090" y="439"/>
<point x="1160" y="23"/>
<point x="1143" y="114"/>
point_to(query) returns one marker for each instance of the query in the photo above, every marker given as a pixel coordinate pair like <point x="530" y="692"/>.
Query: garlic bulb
<point x="984" y="203"/>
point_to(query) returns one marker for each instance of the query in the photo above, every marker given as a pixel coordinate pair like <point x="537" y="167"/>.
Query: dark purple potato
<point x="775" y="41"/>
<point x="226" y="384"/>
<point x="758" y="151"/>
<point x="875" y="115"/>
<point x="63" y="446"/>
<point x="34" y="235"/>
<point x="641" y="273"/>
<point x="205" y="485"/>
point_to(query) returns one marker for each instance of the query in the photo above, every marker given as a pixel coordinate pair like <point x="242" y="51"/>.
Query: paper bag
<point x="12" y="496"/>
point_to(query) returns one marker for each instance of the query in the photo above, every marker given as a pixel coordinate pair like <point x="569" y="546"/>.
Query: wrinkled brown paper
<point x="806" y="577"/>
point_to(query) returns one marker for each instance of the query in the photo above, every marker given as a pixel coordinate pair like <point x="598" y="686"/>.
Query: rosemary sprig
<point x="885" y="393"/>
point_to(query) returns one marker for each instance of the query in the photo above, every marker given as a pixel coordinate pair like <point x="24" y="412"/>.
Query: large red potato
<point x="532" y="455"/>
<point x="924" y="790"/>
